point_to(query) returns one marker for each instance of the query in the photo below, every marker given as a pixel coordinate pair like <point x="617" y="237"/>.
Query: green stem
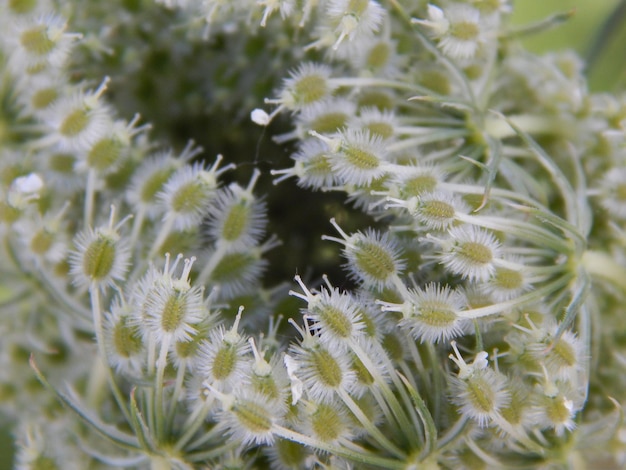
<point x="166" y="229"/>
<point x="520" y="229"/>
<point x="137" y="224"/>
<point x="358" y="82"/>
<point x="213" y="453"/>
<point x="159" y="463"/>
<point x="42" y="281"/>
<point x="361" y="457"/>
<point x="369" y="426"/>
<point x="94" y="295"/>
<point x="433" y="136"/>
<point x="209" y="267"/>
<point x="529" y="123"/>
<point x="193" y="423"/>
<point x="520" y="301"/>
<point x="159" y="410"/>
<point x="90" y="192"/>
<point x="97" y="378"/>
<point x="390" y="398"/>
<point x="180" y="377"/>
<point x="602" y="265"/>
<point x="438" y="382"/>
<point x="213" y="433"/>
<point x="540" y="26"/>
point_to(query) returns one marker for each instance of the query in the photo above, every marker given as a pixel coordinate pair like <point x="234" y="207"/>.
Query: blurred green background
<point x="608" y="70"/>
<point x="579" y="32"/>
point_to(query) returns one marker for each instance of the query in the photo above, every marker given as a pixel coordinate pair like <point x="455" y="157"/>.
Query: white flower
<point x="296" y="384"/>
<point x="458" y="28"/>
<point x="223" y="358"/>
<point x="24" y="190"/>
<point x="38" y="42"/>
<point x="30" y="183"/>
<point x="479" y="391"/>
<point x="327" y="422"/>
<point x="148" y="180"/>
<point x="170" y="307"/>
<point x="354" y="20"/>
<point x="470" y="252"/>
<point x="438" y="210"/>
<point x="377" y="122"/>
<point x="361" y="157"/>
<point x="613" y="192"/>
<point x="373" y="258"/>
<point x="436" y="21"/>
<point x="186" y="195"/>
<point x="312" y="166"/>
<point x="260" y="117"/>
<point x="325" y="117"/>
<point x="285" y="7"/>
<point x="237" y="272"/>
<point x="78" y="121"/>
<point x="123" y="340"/>
<point x="236" y="219"/>
<point x="335" y="315"/>
<point x="100" y="256"/>
<point x="309" y="84"/>
<point x="508" y="281"/>
<point x="322" y="371"/>
<point x="44" y="238"/>
<point x="435" y="314"/>
<point x="555" y="405"/>
<point x="247" y="416"/>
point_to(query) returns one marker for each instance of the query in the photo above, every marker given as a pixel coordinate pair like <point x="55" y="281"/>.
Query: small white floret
<point x="260" y="117"/>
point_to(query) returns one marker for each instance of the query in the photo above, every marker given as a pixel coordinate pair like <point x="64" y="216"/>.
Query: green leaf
<point x="430" y="430"/>
<point x="110" y="432"/>
<point x="142" y="431"/>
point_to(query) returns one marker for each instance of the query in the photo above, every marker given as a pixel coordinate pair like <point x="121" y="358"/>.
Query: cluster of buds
<point x="477" y="325"/>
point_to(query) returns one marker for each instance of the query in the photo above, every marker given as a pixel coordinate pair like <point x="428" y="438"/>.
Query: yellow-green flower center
<point x="189" y="198"/>
<point x="154" y="184"/>
<point x="41" y="241"/>
<point x="252" y="416"/>
<point x="437" y="210"/>
<point x="309" y="89"/>
<point x="508" y="279"/>
<point x="22" y="6"/>
<point x="224" y="362"/>
<point x="382" y="129"/>
<point x="475" y="253"/>
<point x="173" y="312"/>
<point x="419" y="185"/>
<point x="378" y="56"/>
<point x="44" y="98"/>
<point x="327" y="368"/>
<point x="75" y="123"/>
<point x="62" y="162"/>
<point x="480" y="394"/>
<point x="99" y="258"/>
<point x="326" y="423"/>
<point x="375" y="261"/>
<point x="329" y="122"/>
<point x="436" y="314"/>
<point x="104" y="154"/>
<point x="360" y="158"/>
<point x="335" y="320"/>
<point x="236" y="222"/>
<point x="464" y="30"/>
<point x="126" y="338"/>
<point x="36" y="41"/>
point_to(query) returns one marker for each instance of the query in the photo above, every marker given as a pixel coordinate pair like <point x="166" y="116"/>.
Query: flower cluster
<point x="477" y="324"/>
